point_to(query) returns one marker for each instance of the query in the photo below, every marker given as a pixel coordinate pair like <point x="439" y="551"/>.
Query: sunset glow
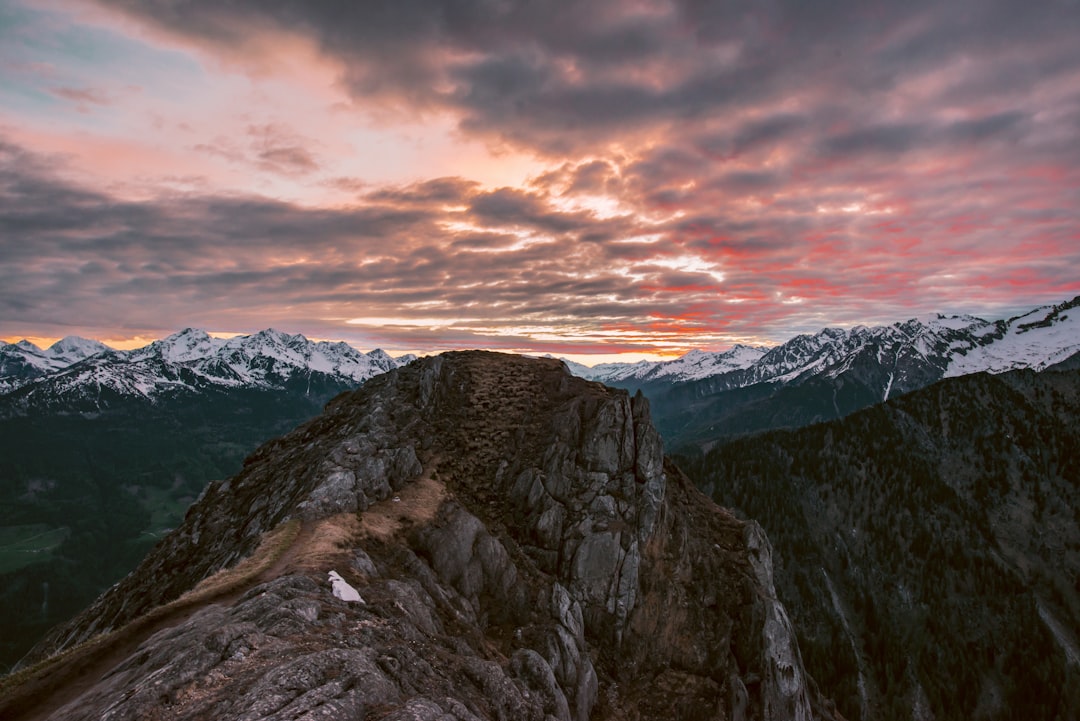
<point x="597" y="180"/>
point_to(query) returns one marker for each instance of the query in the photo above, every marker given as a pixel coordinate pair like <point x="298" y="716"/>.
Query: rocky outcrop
<point x="523" y="549"/>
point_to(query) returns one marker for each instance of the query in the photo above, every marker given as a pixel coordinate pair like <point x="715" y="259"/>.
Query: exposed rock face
<point x="523" y="549"/>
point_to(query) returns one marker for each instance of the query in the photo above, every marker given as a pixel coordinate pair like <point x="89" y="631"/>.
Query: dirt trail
<point x="55" y="686"/>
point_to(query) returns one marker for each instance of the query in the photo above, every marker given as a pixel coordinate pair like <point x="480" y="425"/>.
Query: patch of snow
<point x="953" y="322"/>
<point x="1035" y="340"/>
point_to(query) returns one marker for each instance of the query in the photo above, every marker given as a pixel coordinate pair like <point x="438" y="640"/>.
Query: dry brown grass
<point x="417" y="503"/>
<point x="272" y="547"/>
<point x="328" y="539"/>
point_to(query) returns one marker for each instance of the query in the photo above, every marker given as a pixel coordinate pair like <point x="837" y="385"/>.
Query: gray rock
<point x="533" y="670"/>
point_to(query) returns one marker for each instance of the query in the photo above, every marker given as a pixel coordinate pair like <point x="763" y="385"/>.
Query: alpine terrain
<point x="102" y="451"/>
<point x="508" y="542"/>
<point x="703" y="397"/>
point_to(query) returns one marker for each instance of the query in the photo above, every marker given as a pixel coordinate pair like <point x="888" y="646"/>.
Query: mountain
<point x="187" y="362"/>
<point x="953" y="345"/>
<point x="704" y="397"/>
<point x="23" y="361"/>
<point x="521" y="547"/>
<point x="930" y="545"/>
<point x="102" y="451"/>
<point x="695" y="365"/>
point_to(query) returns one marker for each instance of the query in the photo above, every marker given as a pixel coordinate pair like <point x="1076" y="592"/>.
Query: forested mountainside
<point x="84" y="497"/>
<point x="929" y="547"/>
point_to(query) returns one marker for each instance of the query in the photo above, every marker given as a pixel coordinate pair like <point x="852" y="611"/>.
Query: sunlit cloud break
<point x="586" y="178"/>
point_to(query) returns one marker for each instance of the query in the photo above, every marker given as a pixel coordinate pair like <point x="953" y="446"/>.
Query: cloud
<point x="557" y="78"/>
<point x="271" y="147"/>
<point x="704" y="172"/>
<point x="83" y="98"/>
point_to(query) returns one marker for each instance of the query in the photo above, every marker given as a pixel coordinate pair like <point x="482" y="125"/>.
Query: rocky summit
<point x="520" y="549"/>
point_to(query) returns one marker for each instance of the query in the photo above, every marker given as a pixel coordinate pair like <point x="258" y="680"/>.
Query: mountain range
<point x="79" y="374"/>
<point x="873" y="363"/>
<point x="940" y="346"/>
<point x="703" y="398"/>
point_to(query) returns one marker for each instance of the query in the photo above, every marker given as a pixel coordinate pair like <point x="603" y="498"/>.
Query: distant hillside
<point x="82" y="498"/>
<point x="929" y="546"/>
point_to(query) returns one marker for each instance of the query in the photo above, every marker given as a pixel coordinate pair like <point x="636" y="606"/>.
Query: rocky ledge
<point x="522" y="549"/>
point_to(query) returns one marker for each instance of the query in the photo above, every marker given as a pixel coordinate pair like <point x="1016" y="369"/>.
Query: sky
<point x="596" y="180"/>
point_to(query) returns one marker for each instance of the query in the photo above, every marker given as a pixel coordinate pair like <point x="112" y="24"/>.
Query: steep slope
<point x="931" y="545"/>
<point x="523" y="548"/>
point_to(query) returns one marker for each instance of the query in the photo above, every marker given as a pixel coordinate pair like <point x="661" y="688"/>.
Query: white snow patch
<point x="1030" y="347"/>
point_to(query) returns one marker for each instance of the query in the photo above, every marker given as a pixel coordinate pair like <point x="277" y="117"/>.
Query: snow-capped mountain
<point x="703" y="397"/>
<point x="905" y="355"/>
<point x="263" y="358"/>
<point x="84" y="374"/>
<point x="695" y="365"/>
<point x="23" y="361"/>
<point x="1038" y="339"/>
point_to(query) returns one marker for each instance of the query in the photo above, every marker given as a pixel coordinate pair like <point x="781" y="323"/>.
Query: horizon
<point x="609" y="178"/>
<point x="590" y="360"/>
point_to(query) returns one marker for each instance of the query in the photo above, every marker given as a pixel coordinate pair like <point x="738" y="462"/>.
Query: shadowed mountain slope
<point x="930" y="546"/>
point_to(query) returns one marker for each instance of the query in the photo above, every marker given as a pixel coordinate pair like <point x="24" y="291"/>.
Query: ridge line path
<point x="37" y="698"/>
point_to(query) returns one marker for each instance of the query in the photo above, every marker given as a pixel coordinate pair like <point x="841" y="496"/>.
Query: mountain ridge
<point x="956" y="345"/>
<point x="523" y="548"/>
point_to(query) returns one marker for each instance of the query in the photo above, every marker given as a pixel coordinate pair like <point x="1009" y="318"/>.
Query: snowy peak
<point x="72" y="349"/>
<point x="893" y="358"/>
<point x="188" y="345"/>
<point x="695" y="365"/>
<point x="190" y="361"/>
<point x="23" y="361"/>
<point x="27" y="346"/>
<point x="698" y="364"/>
<point x="1036" y="339"/>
